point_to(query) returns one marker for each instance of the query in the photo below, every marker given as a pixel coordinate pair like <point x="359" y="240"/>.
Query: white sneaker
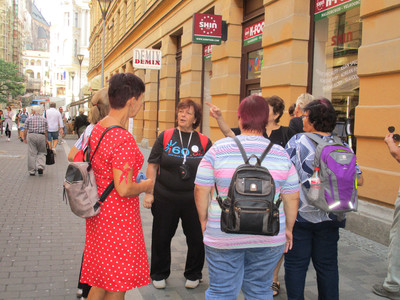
<point x="8" y="139"/>
<point x="192" y="284"/>
<point x="159" y="284"/>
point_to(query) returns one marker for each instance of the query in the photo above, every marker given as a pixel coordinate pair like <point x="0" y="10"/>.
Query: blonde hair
<point x="303" y="100"/>
<point x="101" y="106"/>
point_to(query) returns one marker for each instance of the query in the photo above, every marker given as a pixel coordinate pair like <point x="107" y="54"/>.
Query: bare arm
<point x="393" y="148"/>
<point x="290" y="206"/>
<point x="215" y="112"/>
<point x="126" y="187"/>
<point x="151" y="173"/>
<point x="201" y="197"/>
<point x="72" y="153"/>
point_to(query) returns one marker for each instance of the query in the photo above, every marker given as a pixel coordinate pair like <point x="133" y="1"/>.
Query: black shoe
<point x="32" y="174"/>
<point x="40" y="171"/>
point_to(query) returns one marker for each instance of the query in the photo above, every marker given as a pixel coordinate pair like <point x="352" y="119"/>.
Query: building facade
<point x="344" y="50"/>
<point x="12" y="30"/>
<point x="70" y="37"/>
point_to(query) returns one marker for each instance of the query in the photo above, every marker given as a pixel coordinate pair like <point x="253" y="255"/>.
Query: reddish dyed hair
<point x="253" y="112"/>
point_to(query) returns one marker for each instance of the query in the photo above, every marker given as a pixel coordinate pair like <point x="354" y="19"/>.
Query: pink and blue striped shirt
<point x="218" y="166"/>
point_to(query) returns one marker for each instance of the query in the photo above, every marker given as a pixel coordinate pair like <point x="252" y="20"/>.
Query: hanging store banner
<point x="253" y="33"/>
<point x="147" y="59"/>
<point x="326" y="8"/>
<point x="207" y="52"/>
<point x="207" y="29"/>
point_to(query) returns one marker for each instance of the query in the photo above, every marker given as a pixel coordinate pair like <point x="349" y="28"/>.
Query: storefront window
<point x="254" y="64"/>
<point x="336" y="42"/>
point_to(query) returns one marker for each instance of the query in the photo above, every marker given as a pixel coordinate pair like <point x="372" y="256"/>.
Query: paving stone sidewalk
<point x="41" y="241"/>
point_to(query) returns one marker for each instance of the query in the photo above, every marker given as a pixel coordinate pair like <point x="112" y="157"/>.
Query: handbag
<point x="49" y="156"/>
<point x="80" y="188"/>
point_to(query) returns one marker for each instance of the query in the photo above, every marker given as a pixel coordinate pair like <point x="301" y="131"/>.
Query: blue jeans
<point x="317" y="242"/>
<point x="249" y="270"/>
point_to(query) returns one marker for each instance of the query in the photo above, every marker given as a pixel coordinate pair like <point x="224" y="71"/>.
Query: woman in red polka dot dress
<point x="115" y="258"/>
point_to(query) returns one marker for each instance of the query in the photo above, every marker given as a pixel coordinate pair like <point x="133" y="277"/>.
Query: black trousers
<point x="8" y="131"/>
<point x="166" y="215"/>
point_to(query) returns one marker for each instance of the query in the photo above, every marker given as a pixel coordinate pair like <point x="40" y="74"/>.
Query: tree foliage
<point x="10" y="82"/>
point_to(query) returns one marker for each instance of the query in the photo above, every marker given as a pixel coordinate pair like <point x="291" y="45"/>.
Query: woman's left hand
<point x="148" y="200"/>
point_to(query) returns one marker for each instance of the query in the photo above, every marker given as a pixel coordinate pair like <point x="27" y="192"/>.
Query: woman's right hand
<point x="215" y="112"/>
<point x="148" y="200"/>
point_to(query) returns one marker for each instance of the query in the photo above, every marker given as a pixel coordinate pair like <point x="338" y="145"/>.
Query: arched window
<point x="38" y="62"/>
<point x="29" y="73"/>
<point x="38" y="75"/>
<point x="32" y="62"/>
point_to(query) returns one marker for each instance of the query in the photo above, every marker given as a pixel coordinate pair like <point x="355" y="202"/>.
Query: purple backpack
<point x="338" y="175"/>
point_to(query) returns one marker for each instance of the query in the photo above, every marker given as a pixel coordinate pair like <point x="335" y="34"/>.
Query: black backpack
<point x="249" y="207"/>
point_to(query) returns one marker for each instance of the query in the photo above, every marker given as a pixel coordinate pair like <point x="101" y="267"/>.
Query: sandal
<point x="276" y="286"/>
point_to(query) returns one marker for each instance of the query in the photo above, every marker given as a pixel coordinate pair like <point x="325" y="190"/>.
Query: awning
<point x="79" y="102"/>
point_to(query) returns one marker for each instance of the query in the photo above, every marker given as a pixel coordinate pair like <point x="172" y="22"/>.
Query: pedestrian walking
<point x="391" y="285"/>
<point x="173" y="163"/>
<point x="1" y="122"/>
<point x="35" y="135"/>
<point x="8" y="116"/>
<point x="80" y="122"/>
<point x="55" y="124"/>
<point x="22" y="117"/>
<point x="242" y="261"/>
<point x="64" y="128"/>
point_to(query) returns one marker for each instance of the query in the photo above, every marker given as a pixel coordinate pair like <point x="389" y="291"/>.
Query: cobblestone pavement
<point x="41" y="241"/>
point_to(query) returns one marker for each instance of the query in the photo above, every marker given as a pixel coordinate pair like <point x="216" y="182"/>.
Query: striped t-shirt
<point x="218" y="166"/>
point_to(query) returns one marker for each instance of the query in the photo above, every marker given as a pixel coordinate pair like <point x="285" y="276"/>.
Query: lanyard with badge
<point x="184" y="169"/>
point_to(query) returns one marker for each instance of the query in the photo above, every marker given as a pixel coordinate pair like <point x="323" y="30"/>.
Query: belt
<point x="37" y="132"/>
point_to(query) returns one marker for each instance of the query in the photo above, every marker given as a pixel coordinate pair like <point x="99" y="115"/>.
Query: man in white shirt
<point x="55" y="124"/>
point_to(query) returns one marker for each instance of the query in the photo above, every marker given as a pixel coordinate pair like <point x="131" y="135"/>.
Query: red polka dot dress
<point x="115" y="257"/>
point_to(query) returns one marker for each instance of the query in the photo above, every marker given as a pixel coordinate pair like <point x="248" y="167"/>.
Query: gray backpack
<point x="337" y="192"/>
<point x="80" y="186"/>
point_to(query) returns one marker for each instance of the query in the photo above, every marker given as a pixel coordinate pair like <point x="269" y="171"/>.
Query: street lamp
<point x="104" y="6"/>
<point x="80" y="59"/>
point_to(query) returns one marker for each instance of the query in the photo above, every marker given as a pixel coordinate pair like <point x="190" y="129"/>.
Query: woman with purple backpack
<point x="316" y="232"/>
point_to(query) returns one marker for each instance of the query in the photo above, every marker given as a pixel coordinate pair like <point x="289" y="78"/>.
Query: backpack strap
<point x="88" y="158"/>
<point x="167" y="136"/>
<point x="110" y="186"/>
<point x="244" y="155"/>
<point x="203" y="141"/>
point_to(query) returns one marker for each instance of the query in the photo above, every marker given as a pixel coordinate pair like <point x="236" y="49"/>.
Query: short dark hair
<point x="253" y="112"/>
<point x="278" y="106"/>
<point x="321" y="115"/>
<point x="122" y="87"/>
<point x="197" y="110"/>
<point x="291" y="109"/>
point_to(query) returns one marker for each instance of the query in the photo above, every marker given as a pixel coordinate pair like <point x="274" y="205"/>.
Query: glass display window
<point x="336" y="42"/>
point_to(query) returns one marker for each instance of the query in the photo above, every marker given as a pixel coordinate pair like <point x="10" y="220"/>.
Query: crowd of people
<point x="184" y="172"/>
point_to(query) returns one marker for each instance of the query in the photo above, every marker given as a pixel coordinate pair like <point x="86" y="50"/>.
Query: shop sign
<point x="253" y="33"/>
<point x="326" y="8"/>
<point x="147" y="59"/>
<point x="207" y="29"/>
<point x="207" y="52"/>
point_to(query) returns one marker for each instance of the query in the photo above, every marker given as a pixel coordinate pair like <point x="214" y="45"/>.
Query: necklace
<point x="187" y="147"/>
